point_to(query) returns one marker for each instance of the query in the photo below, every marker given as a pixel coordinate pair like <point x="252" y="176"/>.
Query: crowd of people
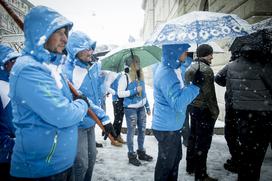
<point x="47" y="133"/>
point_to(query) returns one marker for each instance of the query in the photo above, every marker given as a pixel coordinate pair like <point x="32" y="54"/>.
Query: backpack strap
<point x="127" y="79"/>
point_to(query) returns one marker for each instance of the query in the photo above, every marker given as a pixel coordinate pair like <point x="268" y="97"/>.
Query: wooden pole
<point x="91" y="113"/>
<point x="14" y="16"/>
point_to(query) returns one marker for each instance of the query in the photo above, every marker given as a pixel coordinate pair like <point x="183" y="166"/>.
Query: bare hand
<point x="139" y="89"/>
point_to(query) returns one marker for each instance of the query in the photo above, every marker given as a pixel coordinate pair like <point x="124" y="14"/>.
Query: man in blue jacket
<point x="7" y="130"/>
<point x="84" y="74"/>
<point x="170" y="104"/>
<point x="45" y="115"/>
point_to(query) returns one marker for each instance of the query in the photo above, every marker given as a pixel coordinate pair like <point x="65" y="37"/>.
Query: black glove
<point x="108" y="130"/>
<point x="198" y="79"/>
<point x="84" y="98"/>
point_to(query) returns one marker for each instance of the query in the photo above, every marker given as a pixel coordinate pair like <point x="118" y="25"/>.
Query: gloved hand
<point x="83" y="97"/>
<point x="198" y="79"/>
<point x="108" y="130"/>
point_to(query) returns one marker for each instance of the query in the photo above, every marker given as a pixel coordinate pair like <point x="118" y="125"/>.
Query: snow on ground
<point x="112" y="162"/>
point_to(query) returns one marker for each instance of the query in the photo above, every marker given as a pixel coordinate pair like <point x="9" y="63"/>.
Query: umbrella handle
<point x="90" y="112"/>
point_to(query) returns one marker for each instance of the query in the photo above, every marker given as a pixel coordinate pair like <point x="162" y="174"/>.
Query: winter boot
<point x="132" y="158"/>
<point x="231" y="166"/>
<point x="143" y="156"/>
<point x="208" y="178"/>
<point x="98" y="145"/>
<point x="116" y="143"/>
<point x="120" y="140"/>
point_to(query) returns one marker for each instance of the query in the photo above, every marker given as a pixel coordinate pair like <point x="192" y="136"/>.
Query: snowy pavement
<point x="112" y="162"/>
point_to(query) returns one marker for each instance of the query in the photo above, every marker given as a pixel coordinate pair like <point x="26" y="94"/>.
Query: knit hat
<point x="204" y="50"/>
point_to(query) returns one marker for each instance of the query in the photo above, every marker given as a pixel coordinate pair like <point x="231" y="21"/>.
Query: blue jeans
<point x="86" y="154"/>
<point x="169" y="155"/>
<point x="135" y="116"/>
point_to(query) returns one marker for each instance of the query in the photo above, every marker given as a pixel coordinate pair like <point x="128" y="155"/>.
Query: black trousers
<point x="231" y="134"/>
<point x="63" y="176"/>
<point x="199" y="143"/>
<point x="118" y="110"/>
<point x="4" y="171"/>
<point x="255" y="129"/>
<point x="186" y="129"/>
<point x="169" y="155"/>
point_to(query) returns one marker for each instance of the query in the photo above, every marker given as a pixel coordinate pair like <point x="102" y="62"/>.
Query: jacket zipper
<point x="53" y="148"/>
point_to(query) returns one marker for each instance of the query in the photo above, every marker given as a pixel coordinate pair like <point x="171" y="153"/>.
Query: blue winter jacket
<point x="85" y="78"/>
<point x="45" y="116"/>
<point x="170" y="98"/>
<point x="114" y="86"/>
<point x="7" y="130"/>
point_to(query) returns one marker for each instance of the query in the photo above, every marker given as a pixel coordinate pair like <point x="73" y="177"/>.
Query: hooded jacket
<point x="85" y="78"/>
<point x="45" y="116"/>
<point x="207" y="97"/>
<point x="114" y="87"/>
<point x="7" y="130"/>
<point x="170" y="98"/>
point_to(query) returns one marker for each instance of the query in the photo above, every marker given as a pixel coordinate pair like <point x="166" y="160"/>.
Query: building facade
<point x="160" y="11"/>
<point x="9" y="30"/>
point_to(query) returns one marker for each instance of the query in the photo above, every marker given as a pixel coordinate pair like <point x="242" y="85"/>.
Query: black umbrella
<point x="260" y="41"/>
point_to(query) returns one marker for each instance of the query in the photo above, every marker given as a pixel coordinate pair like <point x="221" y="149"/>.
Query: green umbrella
<point x="114" y="60"/>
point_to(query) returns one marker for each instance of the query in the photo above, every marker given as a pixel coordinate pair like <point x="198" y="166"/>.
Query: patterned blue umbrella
<point x="199" y="27"/>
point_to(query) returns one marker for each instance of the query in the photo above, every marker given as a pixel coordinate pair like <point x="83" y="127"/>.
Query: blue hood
<point x="39" y="24"/>
<point x="7" y="53"/>
<point x="171" y="54"/>
<point x="79" y="41"/>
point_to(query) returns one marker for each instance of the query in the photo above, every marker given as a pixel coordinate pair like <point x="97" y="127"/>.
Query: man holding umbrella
<point x="203" y="111"/>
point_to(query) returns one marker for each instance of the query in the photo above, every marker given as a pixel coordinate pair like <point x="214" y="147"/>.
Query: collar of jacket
<point x="202" y="60"/>
<point x="82" y="64"/>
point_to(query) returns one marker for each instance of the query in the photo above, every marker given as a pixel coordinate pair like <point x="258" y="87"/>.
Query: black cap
<point x="204" y="50"/>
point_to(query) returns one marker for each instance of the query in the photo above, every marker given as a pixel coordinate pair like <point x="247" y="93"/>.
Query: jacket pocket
<point x="53" y="148"/>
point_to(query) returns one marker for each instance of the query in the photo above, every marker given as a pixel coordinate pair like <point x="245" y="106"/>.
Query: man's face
<point x="209" y="58"/>
<point x="57" y="41"/>
<point x="183" y="56"/>
<point x="85" y="55"/>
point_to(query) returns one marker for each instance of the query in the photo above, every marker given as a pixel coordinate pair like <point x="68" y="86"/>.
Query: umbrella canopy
<point x="265" y="24"/>
<point x="114" y="60"/>
<point x="215" y="46"/>
<point x="200" y="27"/>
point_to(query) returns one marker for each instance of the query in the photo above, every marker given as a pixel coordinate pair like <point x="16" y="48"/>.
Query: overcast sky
<point x="106" y="21"/>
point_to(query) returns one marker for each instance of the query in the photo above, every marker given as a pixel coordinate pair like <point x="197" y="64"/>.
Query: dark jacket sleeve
<point x="266" y="76"/>
<point x="221" y="76"/>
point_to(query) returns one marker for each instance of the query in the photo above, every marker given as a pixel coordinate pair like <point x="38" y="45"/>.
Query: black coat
<point x="248" y="84"/>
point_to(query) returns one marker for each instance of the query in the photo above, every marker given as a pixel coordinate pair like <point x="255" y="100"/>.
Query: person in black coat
<point x="231" y="124"/>
<point x="249" y="85"/>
